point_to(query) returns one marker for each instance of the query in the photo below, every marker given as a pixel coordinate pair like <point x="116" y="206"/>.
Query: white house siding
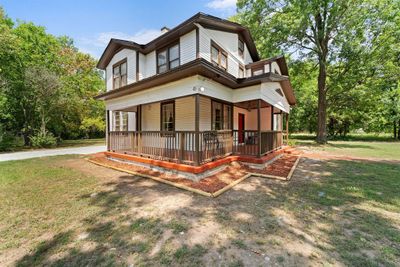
<point x="269" y="94"/>
<point x="187" y="47"/>
<point x="229" y="42"/>
<point x="131" y="121"/>
<point x="150" y="65"/>
<point x="142" y="66"/>
<point x="247" y="56"/>
<point x="204" y="44"/>
<point x="130" y="55"/>
<point x="275" y="67"/>
<point x="183" y="87"/>
<point x="185" y="114"/>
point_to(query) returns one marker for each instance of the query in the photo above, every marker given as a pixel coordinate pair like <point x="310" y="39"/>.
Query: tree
<point x="332" y="34"/>
<point x="69" y="77"/>
<point x="45" y="88"/>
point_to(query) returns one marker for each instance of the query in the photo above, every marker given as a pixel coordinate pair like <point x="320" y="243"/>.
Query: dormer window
<point x="168" y="58"/>
<point x="120" y="74"/>
<point x="241" y="48"/>
<point x="219" y="57"/>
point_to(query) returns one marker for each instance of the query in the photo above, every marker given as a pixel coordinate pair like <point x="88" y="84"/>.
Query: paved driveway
<point x="51" y="152"/>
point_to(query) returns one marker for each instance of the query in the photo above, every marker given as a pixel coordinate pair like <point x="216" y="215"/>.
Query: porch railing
<point x="181" y="146"/>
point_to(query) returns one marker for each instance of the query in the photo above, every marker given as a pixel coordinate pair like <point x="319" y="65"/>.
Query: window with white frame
<point x="120" y="121"/>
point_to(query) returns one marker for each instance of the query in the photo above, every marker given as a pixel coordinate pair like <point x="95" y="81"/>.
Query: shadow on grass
<point x="330" y="207"/>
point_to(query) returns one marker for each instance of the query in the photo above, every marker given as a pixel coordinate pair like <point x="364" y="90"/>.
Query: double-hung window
<point x="120" y="121"/>
<point x="168" y="58"/>
<point x="221" y="116"/>
<point x="168" y="116"/>
<point x="218" y="56"/>
<point x="120" y="74"/>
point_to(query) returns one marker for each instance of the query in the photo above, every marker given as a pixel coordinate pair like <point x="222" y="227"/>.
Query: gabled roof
<point x="205" y="20"/>
<point x="204" y="68"/>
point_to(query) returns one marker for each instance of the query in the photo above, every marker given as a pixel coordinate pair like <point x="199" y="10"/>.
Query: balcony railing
<point x="189" y="147"/>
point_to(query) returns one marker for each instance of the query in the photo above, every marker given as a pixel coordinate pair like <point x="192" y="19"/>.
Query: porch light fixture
<point x="198" y="89"/>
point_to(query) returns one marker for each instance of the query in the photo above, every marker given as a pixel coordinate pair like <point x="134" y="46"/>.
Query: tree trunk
<point x="321" y="132"/>
<point x="398" y="131"/>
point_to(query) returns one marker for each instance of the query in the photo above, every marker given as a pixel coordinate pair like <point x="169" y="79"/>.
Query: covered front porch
<point x="196" y="129"/>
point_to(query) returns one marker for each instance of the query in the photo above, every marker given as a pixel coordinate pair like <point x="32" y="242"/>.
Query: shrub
<point x="43" y="139"/>
<point x="7" y="141"/>
<point x="93" y="127"/>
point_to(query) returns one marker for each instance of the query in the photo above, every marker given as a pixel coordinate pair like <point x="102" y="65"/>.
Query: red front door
<point x="241" y="127"/>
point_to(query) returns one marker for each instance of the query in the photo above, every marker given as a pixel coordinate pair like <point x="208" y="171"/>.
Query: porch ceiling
<point x="251" y="104"/>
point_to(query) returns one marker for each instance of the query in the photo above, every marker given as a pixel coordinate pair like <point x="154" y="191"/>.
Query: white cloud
<point x="222" y="4"/>
<point x="95" y="45"/>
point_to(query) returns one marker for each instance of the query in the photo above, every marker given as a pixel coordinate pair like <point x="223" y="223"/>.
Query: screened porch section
<point x="195" y="130"/>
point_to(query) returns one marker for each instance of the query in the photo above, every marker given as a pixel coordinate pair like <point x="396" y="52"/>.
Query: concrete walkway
<point x="52" y="152"/>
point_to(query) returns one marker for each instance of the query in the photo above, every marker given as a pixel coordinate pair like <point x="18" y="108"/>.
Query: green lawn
<point x="369" y="149"/>
<point x="63" y="210"/>
<point x="82" y="142"/>
<point x="64" y="143"/>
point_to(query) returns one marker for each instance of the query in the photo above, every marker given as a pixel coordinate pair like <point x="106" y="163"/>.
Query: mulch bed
<point x="211" y="184"/>
<point x="234" y="171"/>
<point x="280" y="167"/>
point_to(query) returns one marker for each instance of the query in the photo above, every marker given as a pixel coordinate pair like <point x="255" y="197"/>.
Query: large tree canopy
<point x="46" y="85"/>
<point x="346" y="52"/>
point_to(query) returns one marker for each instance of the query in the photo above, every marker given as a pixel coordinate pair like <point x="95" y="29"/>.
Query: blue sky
<point x="91" y="23"/>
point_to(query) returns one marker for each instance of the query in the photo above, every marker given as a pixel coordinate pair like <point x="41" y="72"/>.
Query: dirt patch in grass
<point x="211" y="184"/>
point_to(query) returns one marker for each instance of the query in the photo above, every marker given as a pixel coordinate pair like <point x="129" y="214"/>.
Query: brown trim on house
<point x="197" y="129"/>
<point x="108" y="129"/>
<point x="137" y="66"/>
<point x="197" y="43"/>
<point x="272" y="118"/>
<point x="259" y="126"/>
<point x="204" y="68"/>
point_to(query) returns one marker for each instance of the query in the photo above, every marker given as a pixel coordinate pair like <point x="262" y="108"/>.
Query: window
<point x="168" y="116"/>
<point x="120" y="74"/>
<point x="241" y="72"/>
<point x="221" y="116"/>
<point x="227" y="117"/>
<point x="124" y="125"/>
<point x="257" y="71"/>
<point x="218" y="56"/>
<point x="117" y="121"/>
<point x="168" y="58"/>
<point x="241" y="48"/>
<point x="120" y="121"/>
<point x="279" y="91"/>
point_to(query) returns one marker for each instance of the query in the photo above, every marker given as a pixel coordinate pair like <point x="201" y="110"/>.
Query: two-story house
<point x="197" y="93"/>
